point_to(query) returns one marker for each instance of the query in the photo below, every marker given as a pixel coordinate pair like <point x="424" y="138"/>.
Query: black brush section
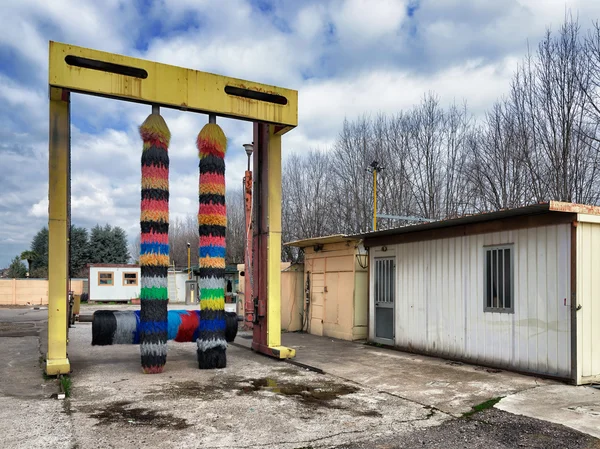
<point x="157" y="226"/>
<point x="207" y="198"/>
<point x="211" y="272"/>
<point x="155" y="194"/>
<point x="159" y="157"/>
<point x="153" y="360"/>
<point x="214" y="230"/>
<point x="231" y="326"/>
<point x="150" y="271"/>
<point x="154" y="310"/>
<point x="212" y="164"/>
<point x="212" y="358"/>
<point x="104" y="325"/>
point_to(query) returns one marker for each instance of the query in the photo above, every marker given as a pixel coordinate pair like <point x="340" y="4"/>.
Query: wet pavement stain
<point x="119" y="413"/>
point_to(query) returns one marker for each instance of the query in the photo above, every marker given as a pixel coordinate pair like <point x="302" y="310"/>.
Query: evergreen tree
<point x="17" y="269"/>
<point x="79" y="252"/>
<point x="39" y="245"/>
<point x="108" y="245"/>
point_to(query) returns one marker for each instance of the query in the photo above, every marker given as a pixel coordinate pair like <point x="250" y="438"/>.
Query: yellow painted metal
<point x="374" y="200"/>
<point x="274" y="249"/>
<point x="170" y="86"/>
<point x="58" y="195"/>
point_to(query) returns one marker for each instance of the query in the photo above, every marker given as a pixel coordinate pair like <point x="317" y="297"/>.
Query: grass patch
<point x="65" y="385"/>
<point x="483" y="406"/>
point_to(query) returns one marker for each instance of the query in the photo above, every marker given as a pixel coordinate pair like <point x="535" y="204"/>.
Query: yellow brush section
<point x="212" y="304"/>
<point x="155" y="183"/>
<point x="155" y="128"/>
<point x="212" y="219"/>
<point x="214" y="189"/>
<point x="211" y="262"/>
<point x="211" y="136"/>
<point x="155" y="260"/>
<point x="154" y="215"/>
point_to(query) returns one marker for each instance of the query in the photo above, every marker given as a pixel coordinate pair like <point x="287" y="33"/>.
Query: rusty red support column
<point x="248" y="302"/>
<point x="259" y="237"/>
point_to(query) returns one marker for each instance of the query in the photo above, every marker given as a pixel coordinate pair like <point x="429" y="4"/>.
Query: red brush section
<point x="212" y="209"/>
<point x="153" y="369"/>
<point x="209" y="148"/>
<point x="209" y="240"/>
<point x="161" y="205"/>
<point x="153" y="237"/>
<point x="189" y="324"/>
<point x="151" y="171"/>
<point x="152" y="139"/>
<point x="212" y="178"/>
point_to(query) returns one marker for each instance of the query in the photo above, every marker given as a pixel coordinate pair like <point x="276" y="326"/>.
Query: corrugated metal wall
<point x="588" y="297"/>
<point x="440" y="300"/>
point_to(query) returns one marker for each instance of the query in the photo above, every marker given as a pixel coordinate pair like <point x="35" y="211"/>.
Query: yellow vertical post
<point x="189" y="261"/>
<point x="274" y="247"/>
<point x="374" y="200"/>
<point x="58" y="225"/>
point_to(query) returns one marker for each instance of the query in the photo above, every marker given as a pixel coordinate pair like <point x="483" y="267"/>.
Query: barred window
<point x="498" y="279"/>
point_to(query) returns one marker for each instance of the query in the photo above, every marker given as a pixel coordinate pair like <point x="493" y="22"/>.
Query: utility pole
<point x="375" y="168"/>
<point x="189" y="254"/>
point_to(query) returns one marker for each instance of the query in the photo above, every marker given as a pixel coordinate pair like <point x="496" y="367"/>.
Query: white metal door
<point x="384" y="294"/>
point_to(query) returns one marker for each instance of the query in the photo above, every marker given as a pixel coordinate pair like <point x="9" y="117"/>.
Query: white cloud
<point x="361" y="21"/>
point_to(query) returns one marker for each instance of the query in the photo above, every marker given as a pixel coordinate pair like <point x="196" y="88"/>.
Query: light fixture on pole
<point x="249" y="147"/>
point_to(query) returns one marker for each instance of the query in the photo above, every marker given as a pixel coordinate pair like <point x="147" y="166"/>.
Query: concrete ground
<point x="367" y="398"/>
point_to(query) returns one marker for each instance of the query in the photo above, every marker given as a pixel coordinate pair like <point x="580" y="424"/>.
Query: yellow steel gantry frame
<point x="92" y="72"/>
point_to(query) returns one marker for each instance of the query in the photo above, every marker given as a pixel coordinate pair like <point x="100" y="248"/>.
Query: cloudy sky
<point x="345" y="57"/>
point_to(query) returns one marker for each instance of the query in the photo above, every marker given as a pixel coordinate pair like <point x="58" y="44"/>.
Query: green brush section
<point x="154" y="293"/>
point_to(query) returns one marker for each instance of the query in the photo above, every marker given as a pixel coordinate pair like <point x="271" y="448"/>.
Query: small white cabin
<point x="113" y="282"/>
<point x="517" y="289"/>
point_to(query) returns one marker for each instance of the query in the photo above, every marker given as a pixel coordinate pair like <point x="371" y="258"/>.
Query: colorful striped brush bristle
<point x="212" y="223"/>
<point x="154" y="250"/>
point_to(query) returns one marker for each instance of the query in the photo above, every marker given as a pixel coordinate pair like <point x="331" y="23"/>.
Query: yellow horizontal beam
<point x="121" y="77"/>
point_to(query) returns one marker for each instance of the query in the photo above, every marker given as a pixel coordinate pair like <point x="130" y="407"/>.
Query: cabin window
<point x="105" y="278"/>
<point x="498" y="279"/>
<point x="130" y="279"/>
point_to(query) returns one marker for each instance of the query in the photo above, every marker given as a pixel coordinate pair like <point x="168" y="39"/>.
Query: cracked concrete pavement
<point x="369" y="397"/>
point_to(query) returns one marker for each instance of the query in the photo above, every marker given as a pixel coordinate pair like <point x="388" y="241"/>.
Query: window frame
<point x="112" y="279"/>
<point x="511" y="248"/>
<point x="137" y="278"/>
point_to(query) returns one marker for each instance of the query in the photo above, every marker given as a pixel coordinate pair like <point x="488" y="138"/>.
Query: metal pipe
<point x="155" y="109"/>
<point x="212" y="118"/>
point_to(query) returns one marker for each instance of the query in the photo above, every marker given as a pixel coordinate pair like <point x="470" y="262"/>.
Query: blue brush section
<point x="151" y="327"/>
<point x="154" y="248"/>
<point x="136" y="333"/>
<point x="212" y="326"/>
<point x="174" y="319"/>
<point x="211" y="251"/>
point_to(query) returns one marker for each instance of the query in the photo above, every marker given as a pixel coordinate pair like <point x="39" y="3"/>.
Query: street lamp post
<point x="189" y="254"/>
<point x="375" y="168"/>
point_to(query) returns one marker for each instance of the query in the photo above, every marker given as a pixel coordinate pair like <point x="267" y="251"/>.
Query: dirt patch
<point x="19" y="329"/>
<point x="120" y="413"/>
<point x="188" y="389"/>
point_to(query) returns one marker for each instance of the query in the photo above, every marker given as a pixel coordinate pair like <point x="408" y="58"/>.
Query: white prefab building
<point x="113" y="282"/>
<point x="121" y="282"/>
<point x="517" y="289"/>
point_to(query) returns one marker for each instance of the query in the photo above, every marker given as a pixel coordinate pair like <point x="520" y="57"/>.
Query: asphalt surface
<point x="489" y="429"/>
